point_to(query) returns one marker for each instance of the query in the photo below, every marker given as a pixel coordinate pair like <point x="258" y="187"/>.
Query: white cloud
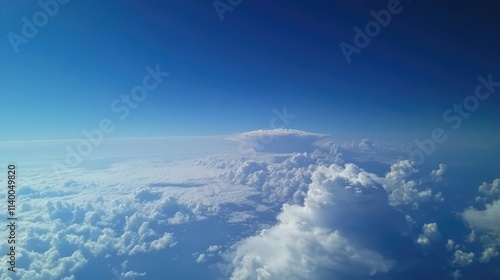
<point x="429" y="232"/>
<point x="490" y="190"/>
<point x="457" y="274"/>
<point x="100" y="213"/>
<point x="201" y="258"/>
<point x="423" y="240"/>
<point x="471" y="237"/>
<point x="485" y="220"/>
<point x="367" y="144"/>
<point x="277" y="141"/>
<point x="332" y="214"/>
<point x="282" y="179"/>
<point x="438" y="173"/>
<point x="450" y="245"/>
<point x="410" y="220"/>
<point x="439" y="197"/>
<point x="293" y="246"/>
<point x="488" y="254"/>
<point x="241" y="216"/>
<point x="178" y="218"/>
<point x="462" y="258"/>
<point x="401" y="189"/>
<point x="213" y="248"/>
<point x="162" y="242"/>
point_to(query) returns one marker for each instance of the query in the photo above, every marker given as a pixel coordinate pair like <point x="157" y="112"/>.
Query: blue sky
<point x="227" y="76"/>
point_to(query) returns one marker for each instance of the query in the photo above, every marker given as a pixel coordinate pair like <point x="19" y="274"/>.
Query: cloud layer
<point x="317" y="235"/>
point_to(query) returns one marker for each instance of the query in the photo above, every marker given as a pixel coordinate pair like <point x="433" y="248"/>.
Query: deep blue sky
<point x="227" y="76"/>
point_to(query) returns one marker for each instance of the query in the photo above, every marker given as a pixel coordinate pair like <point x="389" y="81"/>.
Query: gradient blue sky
<point x="227" y="76"/>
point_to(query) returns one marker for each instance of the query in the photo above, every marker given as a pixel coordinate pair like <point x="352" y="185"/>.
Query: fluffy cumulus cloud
<point x="314" y="205"/>
<point x="201" y="258"/>
<point x="490" y="190"/>
<point x="438" y="173"/>
<point x="462" y="258"/>
<point x="124" y="210"/>
<point x="286" y="179"/>
<point x="315" y="236"/>
<point x="213" y="248"/>
<point x="125" y="274"/>
<point x="404" y="188"/>
<point x="162" y="242"/>
<point x="485" y="222"/>
<point x="283" y="180"/>
<point x="450" y="245"/>
<point x="429" y="232"/>
<point x="489" y="253"/>
<point x="62" y="237"/>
